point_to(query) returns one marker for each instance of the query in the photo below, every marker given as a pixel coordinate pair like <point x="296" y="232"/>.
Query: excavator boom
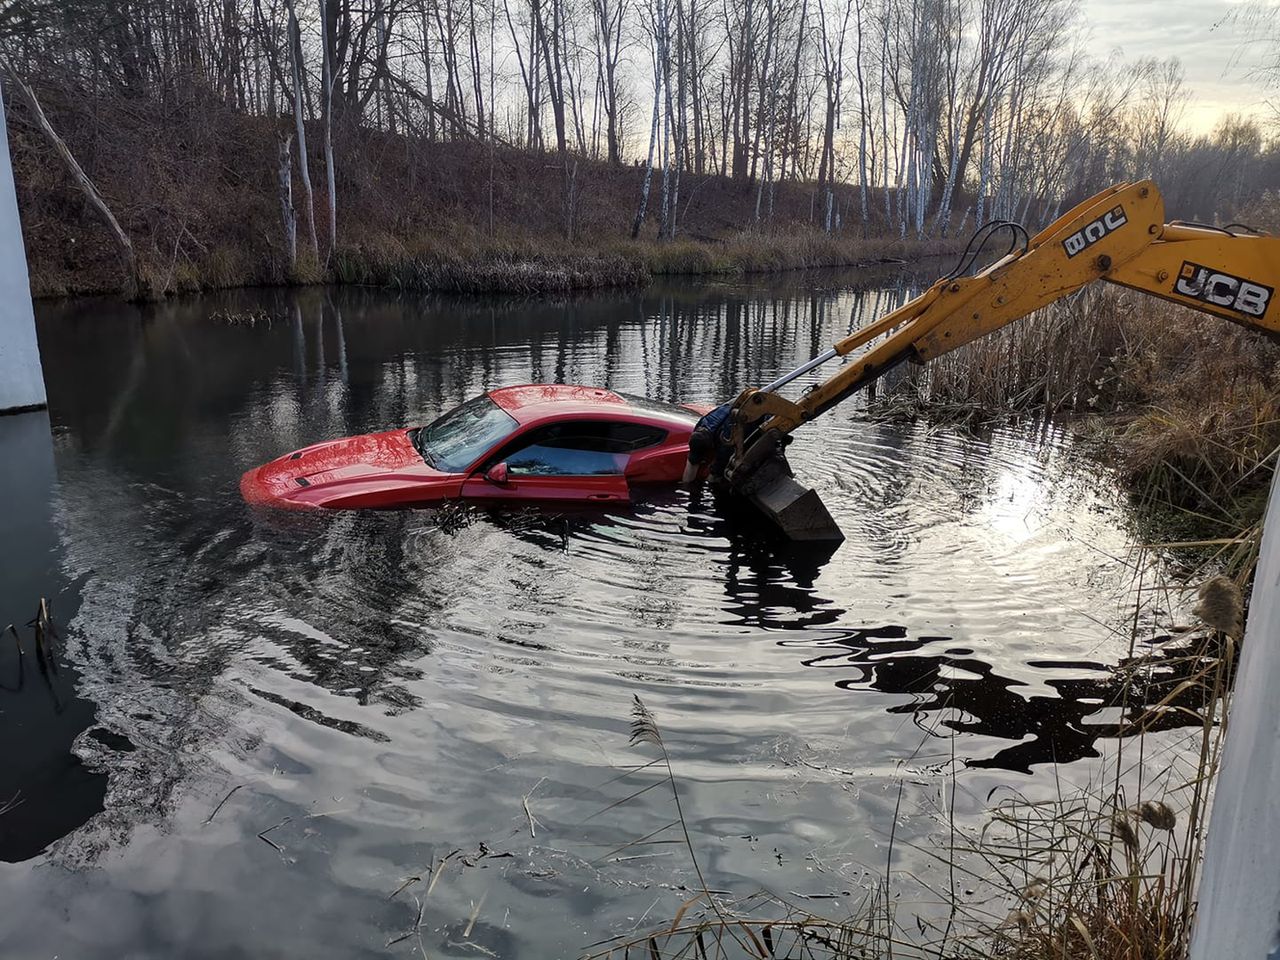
<point x="1119" y="236"/>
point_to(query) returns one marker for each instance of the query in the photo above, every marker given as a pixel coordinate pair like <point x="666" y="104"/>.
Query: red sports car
<point x="541" y="442"/>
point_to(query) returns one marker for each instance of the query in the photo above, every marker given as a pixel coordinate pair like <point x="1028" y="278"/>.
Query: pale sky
<point x="1216" y="50"/>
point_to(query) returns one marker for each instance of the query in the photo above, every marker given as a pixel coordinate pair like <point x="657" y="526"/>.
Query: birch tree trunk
<point x="682" y="120"/>
<point x="327" y="80"/>
<point x="864" y="120"/>
<point x="295" y="63"/>
<point x="426" y="71"/>
<point x="884" y="125"/>
<point x="653" y="142"/>
<point x="661" y="23"/>
<point x="288" y="216"/>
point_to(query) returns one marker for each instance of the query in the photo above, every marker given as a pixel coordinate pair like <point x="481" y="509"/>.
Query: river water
<point x="262" y="726"/>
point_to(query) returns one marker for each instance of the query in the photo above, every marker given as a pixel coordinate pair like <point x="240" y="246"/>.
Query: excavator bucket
<point x="796" y="510"/>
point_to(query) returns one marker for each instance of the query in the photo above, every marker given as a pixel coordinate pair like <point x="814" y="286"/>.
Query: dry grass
<point x="754" y="251"/>
<point x="1093" y="877"/>
<point x="1104" y="876"/>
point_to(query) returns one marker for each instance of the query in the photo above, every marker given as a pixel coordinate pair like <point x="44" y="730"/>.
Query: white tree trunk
<point x="288" y="216"/>
<point x="327" y="70"/>
<point x="295" y="53"/>
<point x="653" y="143"/>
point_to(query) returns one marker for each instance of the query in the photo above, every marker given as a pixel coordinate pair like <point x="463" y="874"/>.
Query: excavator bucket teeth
<point x="796" y="510"/>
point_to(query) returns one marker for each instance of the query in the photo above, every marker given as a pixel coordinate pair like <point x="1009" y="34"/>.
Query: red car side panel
<point x="392" y="490"/>
<point x="599" y="490"/>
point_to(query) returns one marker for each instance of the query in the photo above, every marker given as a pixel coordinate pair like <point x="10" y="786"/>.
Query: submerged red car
<point x="539" y="442"/>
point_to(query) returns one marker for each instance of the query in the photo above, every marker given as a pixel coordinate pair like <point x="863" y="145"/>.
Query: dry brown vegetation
<point x="194" y="188"/>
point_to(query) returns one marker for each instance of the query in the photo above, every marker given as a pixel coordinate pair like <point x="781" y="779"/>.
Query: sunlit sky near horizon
<point x="1215" y="47"/>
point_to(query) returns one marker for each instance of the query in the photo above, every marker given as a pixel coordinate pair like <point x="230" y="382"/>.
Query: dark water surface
<point x="281" y="719"/>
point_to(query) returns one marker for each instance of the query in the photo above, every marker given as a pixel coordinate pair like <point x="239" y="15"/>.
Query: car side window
<point x="629" y="437"/>
<point x="579" y="449"/>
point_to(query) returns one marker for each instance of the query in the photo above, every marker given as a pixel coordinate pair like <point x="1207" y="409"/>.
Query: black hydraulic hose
<point x="1204" y="226"/>
<point x="1246" y="228"/>
<point x="981" y="237"/>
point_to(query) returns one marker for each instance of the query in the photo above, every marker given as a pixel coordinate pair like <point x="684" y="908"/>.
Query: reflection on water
<point x="968" y="695"/>
<point x="45" y="790"/>
<point x="370" y="692"/>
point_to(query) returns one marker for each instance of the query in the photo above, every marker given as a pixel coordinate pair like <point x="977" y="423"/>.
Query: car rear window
<point x="456" y="440"/>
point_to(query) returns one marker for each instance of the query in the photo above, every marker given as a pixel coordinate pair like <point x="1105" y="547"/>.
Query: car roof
<point x="537" y="401"/>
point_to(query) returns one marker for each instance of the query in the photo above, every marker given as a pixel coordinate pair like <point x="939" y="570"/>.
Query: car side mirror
<point x="497" y="474"/>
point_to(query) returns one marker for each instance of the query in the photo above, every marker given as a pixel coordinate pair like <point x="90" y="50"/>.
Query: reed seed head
<point x="1221" y="606"/>
<point x="1156" y="814"/>
<point x="1122" y="829"/>
<point x="644" y="728"/>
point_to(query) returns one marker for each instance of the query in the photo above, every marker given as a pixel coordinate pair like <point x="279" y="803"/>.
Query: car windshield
<point x="457" y="439"/>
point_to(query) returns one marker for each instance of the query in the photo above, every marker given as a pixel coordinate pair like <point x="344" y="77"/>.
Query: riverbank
<point x="478" y="265"/>
<point x="529" y="268"/>
<point x="196" y="191"/>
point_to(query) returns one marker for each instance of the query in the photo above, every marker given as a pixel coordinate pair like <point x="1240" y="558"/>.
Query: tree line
<point x="911" y="117"/>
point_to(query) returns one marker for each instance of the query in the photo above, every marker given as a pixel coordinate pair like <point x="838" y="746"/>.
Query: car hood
<point x="291" y="476"/>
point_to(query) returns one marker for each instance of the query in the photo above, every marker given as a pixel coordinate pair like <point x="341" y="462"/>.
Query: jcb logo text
<point x="1094" y="231"/>
<point x="1223" y="290"/>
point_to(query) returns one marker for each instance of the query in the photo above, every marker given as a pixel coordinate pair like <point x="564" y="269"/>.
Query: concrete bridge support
<point x="21" y="379"/>
<point x="1239" y="913"/>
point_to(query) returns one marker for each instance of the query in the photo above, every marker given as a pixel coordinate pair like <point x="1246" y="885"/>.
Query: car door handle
<point x="603" y="496"/>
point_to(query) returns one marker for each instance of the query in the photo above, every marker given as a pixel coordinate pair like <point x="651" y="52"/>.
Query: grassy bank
<point x="483" y="266"/>
<point x="195" y="188"/>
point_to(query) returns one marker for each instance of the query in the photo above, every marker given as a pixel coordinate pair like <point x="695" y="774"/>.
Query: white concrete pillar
<point x="1239" y="915"/>
<point x="21" y="380"/>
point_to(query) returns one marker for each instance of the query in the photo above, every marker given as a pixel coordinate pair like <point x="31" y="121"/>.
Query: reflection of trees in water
<point x="182" y="595"/>
<point x="771" y="585"/>
<point x="382" y="359"/>
<point x="1044" y="729"/>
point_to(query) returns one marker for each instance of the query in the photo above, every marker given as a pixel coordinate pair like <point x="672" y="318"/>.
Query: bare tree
<point x="81" y="178"/>
<point x="328" y="8"/>
<point x="299" y="110"/>
<point x="657" y="10"/>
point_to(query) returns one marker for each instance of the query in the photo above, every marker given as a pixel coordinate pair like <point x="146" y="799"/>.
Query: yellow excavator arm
<point x="1119" y="236"/>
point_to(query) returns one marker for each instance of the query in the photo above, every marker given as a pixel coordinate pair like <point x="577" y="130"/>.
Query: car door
<point x="567" y="462"/>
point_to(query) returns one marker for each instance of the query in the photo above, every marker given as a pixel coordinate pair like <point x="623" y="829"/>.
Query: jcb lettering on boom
<point x="1094" y="230"/>
<point x="1222" y="289"/>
